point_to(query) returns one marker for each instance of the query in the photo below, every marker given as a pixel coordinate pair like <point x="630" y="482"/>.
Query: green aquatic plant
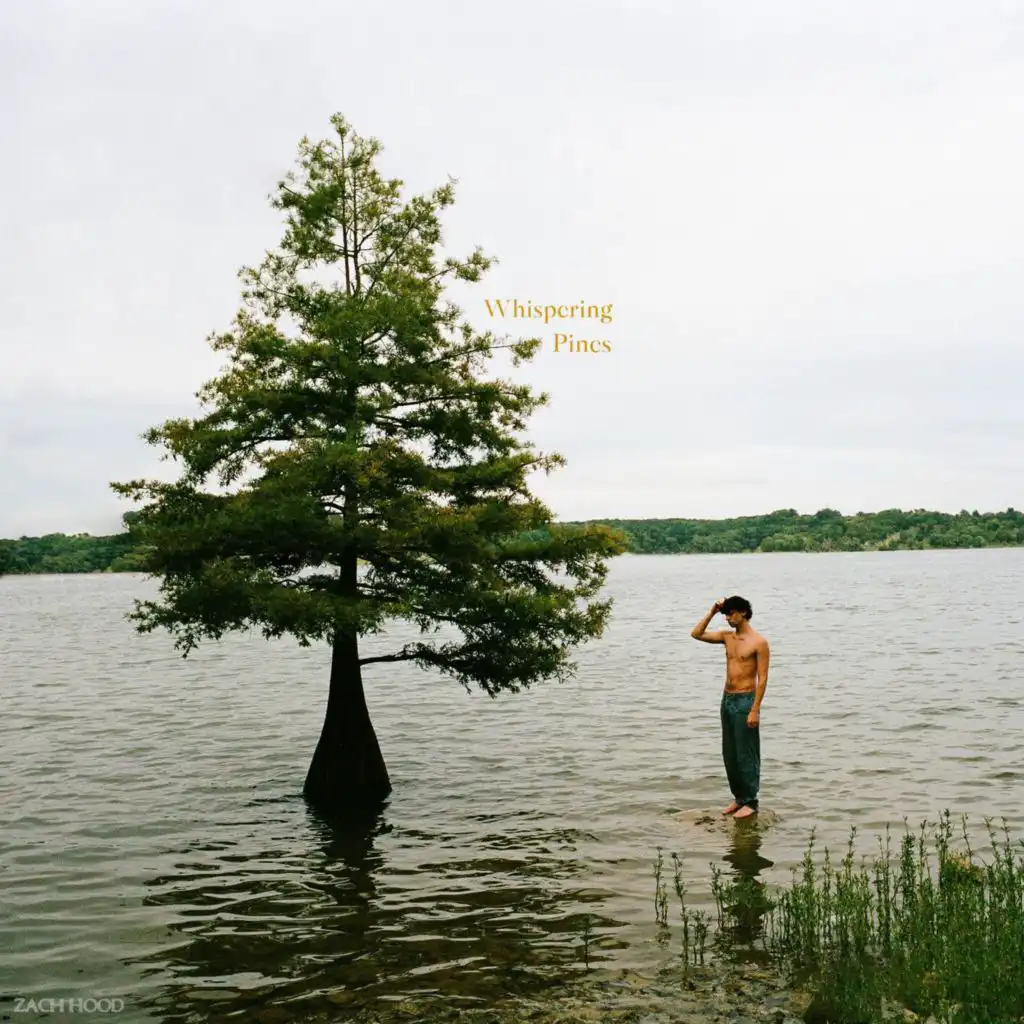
<point x="587" y="935"/>
<point x="694" y="924"/>
<point x="932" y="929"/>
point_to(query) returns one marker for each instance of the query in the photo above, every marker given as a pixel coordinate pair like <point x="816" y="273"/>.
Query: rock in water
<point x="712" y="820"/>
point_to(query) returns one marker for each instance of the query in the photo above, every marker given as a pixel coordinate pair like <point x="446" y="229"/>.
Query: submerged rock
<point x="712" y="820"/>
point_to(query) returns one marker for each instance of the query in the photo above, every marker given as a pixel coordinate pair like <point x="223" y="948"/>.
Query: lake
<point x="157" y="850"/>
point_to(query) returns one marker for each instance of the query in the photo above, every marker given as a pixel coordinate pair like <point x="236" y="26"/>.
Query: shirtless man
<point x="746" y="676"/>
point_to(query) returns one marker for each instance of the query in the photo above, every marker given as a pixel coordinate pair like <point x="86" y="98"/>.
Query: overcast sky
<point x="808" y="218"/>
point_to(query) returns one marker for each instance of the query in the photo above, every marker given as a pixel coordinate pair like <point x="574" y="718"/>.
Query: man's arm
<point x="700" y="630"/>
<point x="763" y="657"/>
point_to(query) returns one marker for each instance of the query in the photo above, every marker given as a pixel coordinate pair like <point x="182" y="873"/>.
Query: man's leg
<point x="748" y="755"/>
<point x="729" y="754"/>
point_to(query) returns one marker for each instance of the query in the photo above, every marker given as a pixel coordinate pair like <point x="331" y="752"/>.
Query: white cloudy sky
<point x="808" y="217"/>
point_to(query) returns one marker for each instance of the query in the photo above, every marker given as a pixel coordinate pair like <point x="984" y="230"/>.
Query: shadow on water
<point x="329" y="917"/>
<point x="744" y="894"/>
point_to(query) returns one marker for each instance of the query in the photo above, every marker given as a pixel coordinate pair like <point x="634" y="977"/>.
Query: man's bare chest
<point x="740" y="650"/>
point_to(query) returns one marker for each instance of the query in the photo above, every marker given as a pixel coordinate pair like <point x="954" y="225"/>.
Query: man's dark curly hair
<point x="738" y="604"/>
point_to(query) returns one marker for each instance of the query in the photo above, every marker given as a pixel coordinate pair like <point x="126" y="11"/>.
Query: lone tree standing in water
<point x="353" y="399"/>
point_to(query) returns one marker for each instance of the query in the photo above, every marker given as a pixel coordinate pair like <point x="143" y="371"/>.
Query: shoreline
<point x="625" y="554"/>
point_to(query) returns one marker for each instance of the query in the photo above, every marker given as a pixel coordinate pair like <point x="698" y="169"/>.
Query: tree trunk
<point x="348" y="771"/>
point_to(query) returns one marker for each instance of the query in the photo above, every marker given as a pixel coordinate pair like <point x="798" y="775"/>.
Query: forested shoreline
<point x="783" y="530"/>
<point x="825" y="530"/>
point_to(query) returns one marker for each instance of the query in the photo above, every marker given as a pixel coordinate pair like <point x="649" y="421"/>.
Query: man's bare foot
<point x="731" y="808"/>
<point x="744" y="812"/>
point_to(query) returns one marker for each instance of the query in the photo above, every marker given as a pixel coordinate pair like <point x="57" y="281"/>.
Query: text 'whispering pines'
<point x="563" y="341"/>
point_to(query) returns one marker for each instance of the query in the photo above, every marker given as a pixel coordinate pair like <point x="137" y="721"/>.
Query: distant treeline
<point x="784" y="530"/>
<point x="827" y="530"/>
<point x="59" y="552"/>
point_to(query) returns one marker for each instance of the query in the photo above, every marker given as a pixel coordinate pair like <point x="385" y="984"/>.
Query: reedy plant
<point x="937" y="931"/>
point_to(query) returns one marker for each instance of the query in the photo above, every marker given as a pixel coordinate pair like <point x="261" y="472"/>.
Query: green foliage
<point x="941" y="935"/>
<point x="60" y="553"/>
<point x="695" y="924"/>
<point x="354" y="423"/>
<point x="826" y="530"/>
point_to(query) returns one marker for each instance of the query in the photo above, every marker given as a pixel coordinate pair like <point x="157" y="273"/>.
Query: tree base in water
<point x="347" y="770"/>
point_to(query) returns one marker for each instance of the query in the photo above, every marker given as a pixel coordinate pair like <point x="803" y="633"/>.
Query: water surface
<point x="156" y="847"/>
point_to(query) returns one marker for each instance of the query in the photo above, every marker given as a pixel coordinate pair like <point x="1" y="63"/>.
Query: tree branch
<point x="387" y="657"/>
<point x="381" y="264"/>
<point x="344" y="221"/>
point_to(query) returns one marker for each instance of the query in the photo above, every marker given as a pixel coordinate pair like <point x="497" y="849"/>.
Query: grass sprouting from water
<point x="932" y="929"/>
<point x="694" y="924"/>
<point x="587" y="935"/>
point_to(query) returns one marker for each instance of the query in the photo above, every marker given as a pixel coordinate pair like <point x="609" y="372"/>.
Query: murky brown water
<point x="156" y="848"/>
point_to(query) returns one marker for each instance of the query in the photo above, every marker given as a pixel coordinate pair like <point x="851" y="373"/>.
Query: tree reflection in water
<point x="349" y="915"/>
